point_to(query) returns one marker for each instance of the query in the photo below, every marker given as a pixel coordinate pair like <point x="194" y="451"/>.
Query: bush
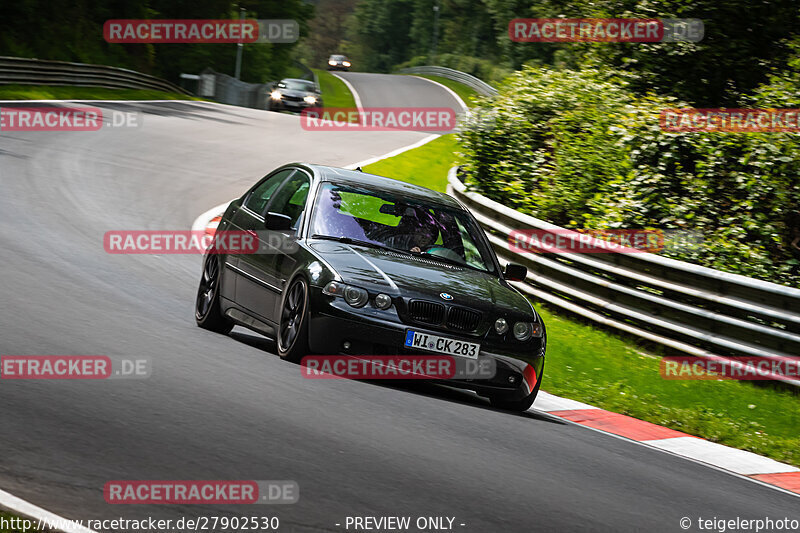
<point x="580" y="149"/>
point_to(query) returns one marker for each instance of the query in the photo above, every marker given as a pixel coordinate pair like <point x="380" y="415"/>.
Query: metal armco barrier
<point x="696" y="310"/>
<point x="24" y="71"/>
<point x="228" y="90"/>
<point x="480" y="86"/>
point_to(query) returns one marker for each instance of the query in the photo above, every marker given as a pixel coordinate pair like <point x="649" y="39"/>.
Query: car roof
<point x="400" y="188"/>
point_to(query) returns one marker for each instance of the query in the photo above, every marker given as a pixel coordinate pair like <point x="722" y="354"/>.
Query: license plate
<point x="434" y="343"/>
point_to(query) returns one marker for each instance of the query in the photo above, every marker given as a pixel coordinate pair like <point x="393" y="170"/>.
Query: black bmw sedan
<point x="350" y="263"/>
<point x="294" y="94"/>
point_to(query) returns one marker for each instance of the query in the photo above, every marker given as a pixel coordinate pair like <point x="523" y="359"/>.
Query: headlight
<point x="525" y="330"/>
<point x="500" y="326"/>
<point x="332" y="63"/>
<point x="383" y="301"/>
<point x="334" y="288"/>
<point x="275" y="95"/>
<point x="310" y="99"/>
<point x="354" y="296"/>
<point x="346" y="63"/>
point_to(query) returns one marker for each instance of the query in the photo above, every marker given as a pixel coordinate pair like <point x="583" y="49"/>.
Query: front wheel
<point x="293" y="327"/>
<point x="207" y="312"/>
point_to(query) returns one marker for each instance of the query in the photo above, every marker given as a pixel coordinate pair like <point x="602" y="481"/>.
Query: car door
<point x="251" y="290"/>
<point x="289" y="201"/>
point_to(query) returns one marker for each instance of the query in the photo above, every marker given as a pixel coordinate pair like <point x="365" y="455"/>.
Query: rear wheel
<point x="293" y="327"/>
<point x="207" y="311"/>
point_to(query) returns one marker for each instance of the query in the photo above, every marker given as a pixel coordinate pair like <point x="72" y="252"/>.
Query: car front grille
<point x="292" y="98"/>
<point x="426" y="312"/>
<point x="450" y="317"/>
<point x="462" y="319"/>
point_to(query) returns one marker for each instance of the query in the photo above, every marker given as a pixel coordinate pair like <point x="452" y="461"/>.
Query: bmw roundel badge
<point x="445" y="296"/>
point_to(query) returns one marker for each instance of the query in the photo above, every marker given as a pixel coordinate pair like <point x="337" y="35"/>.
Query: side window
<point x="259" y="197"/>
<point x="290" y="200"/>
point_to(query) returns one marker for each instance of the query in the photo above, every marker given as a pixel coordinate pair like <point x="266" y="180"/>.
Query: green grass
<point x="464" y="92"/>
<point x="426" y="165"/>
<point x="49" y="92"/>
<point x="334" y="92"/>
<point x="616" y="373"/>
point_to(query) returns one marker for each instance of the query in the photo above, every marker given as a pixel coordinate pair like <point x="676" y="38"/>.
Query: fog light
<point x="275" y="95"/>
<point x="310" y="99"/>
<point x="500" y="326"/>
<point x="383" y="301"/>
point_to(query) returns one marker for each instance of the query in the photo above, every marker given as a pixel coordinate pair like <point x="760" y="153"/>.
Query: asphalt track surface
<point x="225" y="407"/>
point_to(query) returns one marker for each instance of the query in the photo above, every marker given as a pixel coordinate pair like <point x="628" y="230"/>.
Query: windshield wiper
<point x="449" y="261"/>
<point x="350" y="240"/>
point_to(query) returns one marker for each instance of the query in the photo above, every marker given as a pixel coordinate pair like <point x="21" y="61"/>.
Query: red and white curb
<point x="738" y="462"/>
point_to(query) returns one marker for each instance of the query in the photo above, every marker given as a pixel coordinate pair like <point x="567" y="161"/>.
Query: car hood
<point x="418" y="277"/>
<point x="294" y="92"/>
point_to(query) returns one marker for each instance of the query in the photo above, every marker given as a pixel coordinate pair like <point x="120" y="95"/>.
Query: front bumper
<point x="290" y="105"/>
<point x="369" y="331"/>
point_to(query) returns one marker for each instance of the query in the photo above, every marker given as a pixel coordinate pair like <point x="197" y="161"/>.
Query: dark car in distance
<point x="338" y="62"/>
<point x="294" y="94"/>
<point x="358" y="264"/>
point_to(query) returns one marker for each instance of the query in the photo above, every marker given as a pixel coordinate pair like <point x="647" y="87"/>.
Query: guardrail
<point x="480" y="86"/>
<point x="228" y="90"/>
<point x="24" y="71"/>
<point x="690" y="308"/>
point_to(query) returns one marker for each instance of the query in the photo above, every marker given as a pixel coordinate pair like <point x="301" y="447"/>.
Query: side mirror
<point x="277" y="221"/>
<point x="515" y="272"/>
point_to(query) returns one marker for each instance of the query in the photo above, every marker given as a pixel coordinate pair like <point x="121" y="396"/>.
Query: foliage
<point x="580" y="148"/>
<point x="70" y="31"/>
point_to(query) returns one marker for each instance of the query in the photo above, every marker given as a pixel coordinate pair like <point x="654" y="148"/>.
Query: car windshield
<point x="382" y="219"/>
<point x="337" y="58"/>
<point x="299" y="85"/>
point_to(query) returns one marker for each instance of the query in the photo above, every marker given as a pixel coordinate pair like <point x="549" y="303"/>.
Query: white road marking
<point x="28" y="510"/>
<point x="739" y="461"/>
<point x="549" y="402"/>
<point x="352" y="90"/>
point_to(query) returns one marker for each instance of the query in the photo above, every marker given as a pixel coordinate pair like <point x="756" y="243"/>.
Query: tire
<point x="207" y="311"/>
<point x="292" y="338"/>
